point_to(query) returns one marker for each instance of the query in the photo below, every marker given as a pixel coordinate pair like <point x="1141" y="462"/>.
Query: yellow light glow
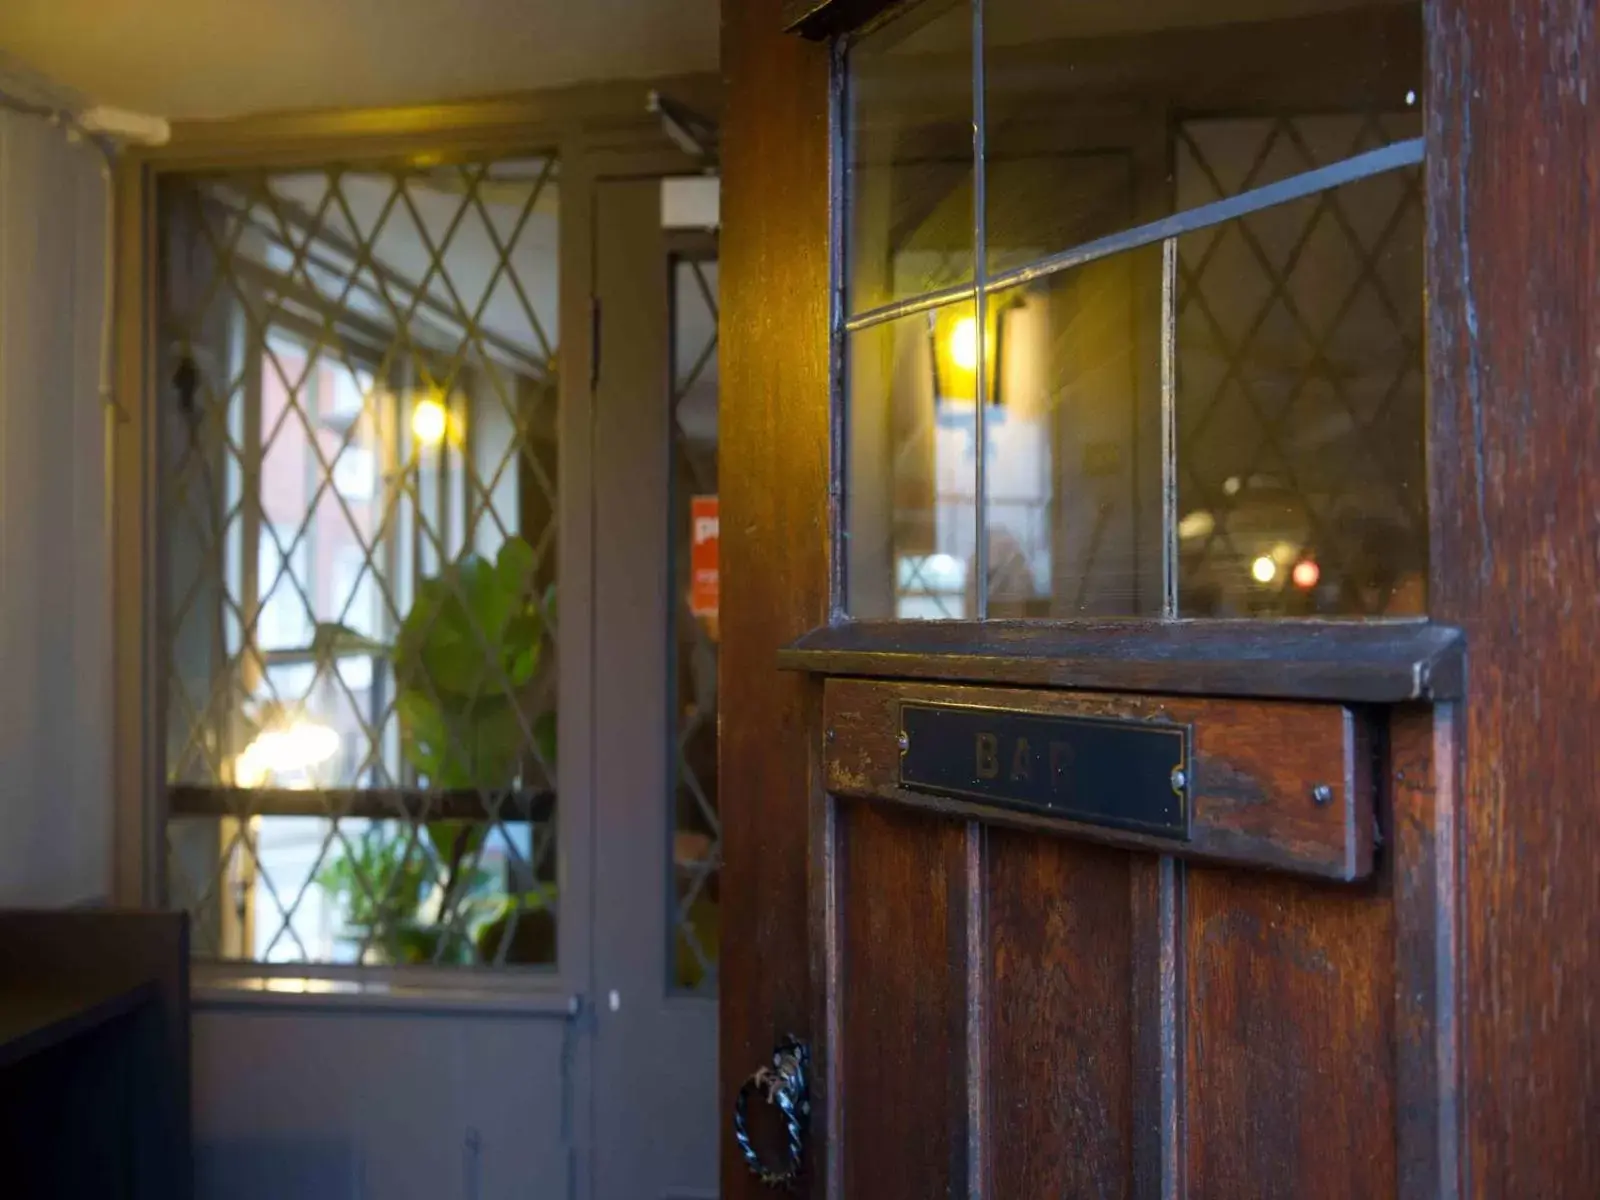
<point x="1197" y="524"/>
<point x="429" y="422"/>
<point x="1264" y="570"/>
<point x="293" y="747"/>
<point x="964" y="344"/>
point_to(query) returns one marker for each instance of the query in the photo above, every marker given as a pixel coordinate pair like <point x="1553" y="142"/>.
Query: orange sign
<point x="704" y="578"/>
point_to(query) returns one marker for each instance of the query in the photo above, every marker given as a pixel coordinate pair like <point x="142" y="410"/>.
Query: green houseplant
<point x="465" y="657"/>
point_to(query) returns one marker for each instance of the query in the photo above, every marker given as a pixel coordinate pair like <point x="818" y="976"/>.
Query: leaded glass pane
<point x="1299" y="404"/>
<point x="696" y="815"/>
<point x="359" y="519"/>
<point x="910" y="166"/>
<point x="1091" y="107"/>
<point x="1196" y="322"/>
<point x="1073" y="442"/>
<point x="911" y="466"/>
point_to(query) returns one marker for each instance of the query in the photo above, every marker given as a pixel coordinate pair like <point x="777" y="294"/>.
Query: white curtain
<point x="55" y="643"/>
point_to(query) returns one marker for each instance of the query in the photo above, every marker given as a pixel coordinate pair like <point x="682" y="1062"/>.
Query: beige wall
<point x="55" y="649"/>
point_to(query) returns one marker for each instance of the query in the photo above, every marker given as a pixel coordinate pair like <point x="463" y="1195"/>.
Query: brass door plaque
<point x="1120" y="774"/>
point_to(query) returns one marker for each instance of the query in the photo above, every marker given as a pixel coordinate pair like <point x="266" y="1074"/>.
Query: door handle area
<point x="782" y="1086"/>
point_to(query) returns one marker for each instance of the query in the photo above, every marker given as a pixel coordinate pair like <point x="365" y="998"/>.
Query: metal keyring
<point x="783" y="1086"/>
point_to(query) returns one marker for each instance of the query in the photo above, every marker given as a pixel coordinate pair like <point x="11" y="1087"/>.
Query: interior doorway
<point x="438" y="620"/>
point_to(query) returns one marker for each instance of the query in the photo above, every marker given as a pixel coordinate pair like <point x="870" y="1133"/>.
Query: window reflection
<point x="1225" y="423"/>
<point x="910" y="90"/>
<point x="911" y="465"/>
<point x="1074" y="443"/>
<point x="1091" y="105"/>
<point x="1299" y="408"/>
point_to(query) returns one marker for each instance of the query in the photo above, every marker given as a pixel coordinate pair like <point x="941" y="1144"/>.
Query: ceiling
<point x="944" y="28"/>
<point x="221" y="58"/>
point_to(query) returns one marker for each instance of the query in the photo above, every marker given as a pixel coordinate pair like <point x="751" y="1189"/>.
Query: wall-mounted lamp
<point x="429" y="422"/>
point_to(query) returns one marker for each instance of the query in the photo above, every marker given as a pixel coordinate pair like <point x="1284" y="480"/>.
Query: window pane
<point x="910" y="170"/>
<point x="1301" y="485"/>
<point x="360" y="482"/>
<point x="911" y="466"/>
<point x="1093" y="107"/>
<point x="694" y="928"/>
<point x="1073" y="434"/>
<point x="283" y="619"/>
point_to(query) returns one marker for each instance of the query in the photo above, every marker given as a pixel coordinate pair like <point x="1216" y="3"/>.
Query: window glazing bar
<point x="980" y="265"/>
<point x="915" y="304"/>
<point x="1169" y="428"/>
<point x="1297" y="187"/>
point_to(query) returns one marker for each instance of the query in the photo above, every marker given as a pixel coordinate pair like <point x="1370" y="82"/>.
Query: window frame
<point x="552" y="126"/>
<point x="844" y="22"/>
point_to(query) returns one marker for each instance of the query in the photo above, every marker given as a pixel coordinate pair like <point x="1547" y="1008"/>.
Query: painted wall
<point x="55" y="628"/>
<point x="295" y="1100"/>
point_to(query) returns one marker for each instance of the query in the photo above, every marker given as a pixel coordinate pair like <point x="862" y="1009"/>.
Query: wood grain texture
<point x="1060" y="1089"/>
<point x="1254" y="764"/>
<point x="902" y="1037"/>
<point x="1423" y="748"/>
<point x="1379" y="663"/>
<point x="1289" y="1060"/>
<point x="1514" y="440"/>
<point x="1156" y="1007"/>
<point x="774" y="429"/>
<point x="827" y="1115"/>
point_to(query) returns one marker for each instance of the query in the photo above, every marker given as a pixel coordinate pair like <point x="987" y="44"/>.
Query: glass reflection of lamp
<point x="957" y="351"/>
<point x="964" y="344"/>
<point x="291" y="749"/>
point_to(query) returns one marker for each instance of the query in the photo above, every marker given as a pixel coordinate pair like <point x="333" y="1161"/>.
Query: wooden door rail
<point x="1350" y="662"/>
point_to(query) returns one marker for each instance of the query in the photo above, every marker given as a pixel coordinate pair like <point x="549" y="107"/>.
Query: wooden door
<point x="1358" y="967"/>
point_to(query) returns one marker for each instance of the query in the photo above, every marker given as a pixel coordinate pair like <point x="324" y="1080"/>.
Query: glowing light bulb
<point x="291" y="748"/>
<point x="429" y="422"/>
<point x="1306" y="574"/>
<point x="964" y="344"/>
<point x="1264" y="570"/>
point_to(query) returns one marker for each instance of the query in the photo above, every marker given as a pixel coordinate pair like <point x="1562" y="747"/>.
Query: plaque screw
<point x="829" y="736"/>
<point x="903" y="741"/>
<point x="1180" y="779"/>
<point x="1322" y="794"/>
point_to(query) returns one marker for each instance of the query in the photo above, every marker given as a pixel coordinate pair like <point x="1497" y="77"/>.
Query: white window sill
<point x="212" y="989"/>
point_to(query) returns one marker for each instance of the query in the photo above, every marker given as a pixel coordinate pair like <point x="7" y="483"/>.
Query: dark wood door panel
<point x="902" y="1004"/>
<point x="1257" y="767"/>
<point x="1060" y="980"/>
<point x="1290" y="1040"/>
<point x="1025" y="1015"/>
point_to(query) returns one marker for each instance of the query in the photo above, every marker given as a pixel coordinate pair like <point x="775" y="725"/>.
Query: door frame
<point x="1488" y="1048"/>
<point x="655" y="1051"/>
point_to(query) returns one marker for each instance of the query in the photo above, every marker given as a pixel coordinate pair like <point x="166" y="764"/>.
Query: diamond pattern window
<point x="359" y="520"/>
<point x="696" y="820"/>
